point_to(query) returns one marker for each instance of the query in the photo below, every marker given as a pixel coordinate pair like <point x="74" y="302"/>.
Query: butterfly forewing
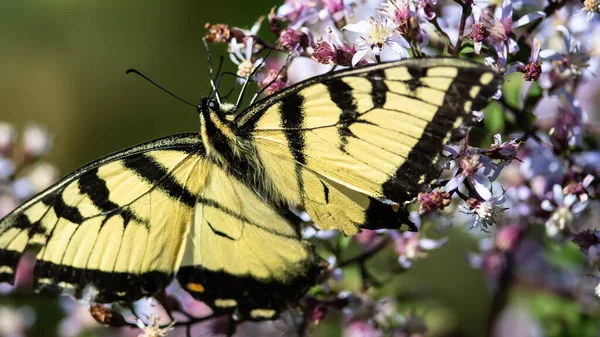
<point x="122" y="227"/>
<point x="97" y="229"/>
<point x="373" y="134"/>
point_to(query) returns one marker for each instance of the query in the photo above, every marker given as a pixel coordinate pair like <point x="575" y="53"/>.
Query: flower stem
<point x="505" y="282"/>
<point x="466" y="11"/>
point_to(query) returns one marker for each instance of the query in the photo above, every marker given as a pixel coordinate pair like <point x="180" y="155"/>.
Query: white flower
<point x="376" y="36"/>
<point x="573" y="58"/>
<point x="152" y="329"/>
<point x="8" y="135"/>
<point x="244" y="61"/>
<point x="563" y="208"/>
<point x="36" y="140"/>
<point x="592" y="7"/>
<point x="486" y="212"/>
<point x="410" y="246"/>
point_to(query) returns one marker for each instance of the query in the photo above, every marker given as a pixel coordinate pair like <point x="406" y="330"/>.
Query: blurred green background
<point x="62" y="65"/>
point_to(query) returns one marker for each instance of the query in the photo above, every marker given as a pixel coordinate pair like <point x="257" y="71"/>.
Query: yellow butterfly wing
<point x="355" y="143"/>
<point x="121" y="228"/>
<point x="98" y="229"/>
<point x="249" y="261"/>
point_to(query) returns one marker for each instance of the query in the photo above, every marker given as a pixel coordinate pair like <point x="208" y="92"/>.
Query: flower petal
<point x="513" y="47"/>
<point x="476" y="10"/>
<point x="455" y="182"/>
<point x="361" y="27"/>
<point x="513" y="67"/>
<point x="360" y="54"/>
<point x="477" y="47"/>
<point x="398" y="49"/>
<point x="550" y="54"/>
<point x="578" y="207"/>
<point x="525" y="19"/>
<point x="535" y="50"/>
<point x="547" y="206"/>
<point x="557" y="194"/>
<point x="430" y="244"/>
<point x="480" y="188"/>
<point x="570" y="200"/>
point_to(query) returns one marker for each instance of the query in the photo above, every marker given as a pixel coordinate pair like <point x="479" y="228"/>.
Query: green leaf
<point x="564" y="255"/>
<point x="494" y="118"/>
<point x="467" y="48"/>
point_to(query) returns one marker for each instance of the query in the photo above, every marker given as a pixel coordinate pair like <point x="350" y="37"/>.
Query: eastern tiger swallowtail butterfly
<point x="351" y="148"/>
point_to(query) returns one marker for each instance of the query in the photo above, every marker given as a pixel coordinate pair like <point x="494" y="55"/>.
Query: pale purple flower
<point x="592" y="7"/>
<point x="14" y="322"/>
<point x="563" y="208"/>
<point x="36" y="141"/>
<point x="295" y="40"/>
<point x="499" y="28"/>
<point x="407" y="15"/>
<point x="337" y="10"/>
<point x="8" y="134"/>
<point x="470" y="162"/>
<point x="507" y="238"/>
<point x="533" y="70"/>
<point x="478" y="114"/>
<point x="272" y="81"/>
<point x="572" y="59"/>
<point x="487" y="211"/>
<point x="299" y="12"/>
<point x="334" y="52"/>
<point x="152" y="328"/>
<point x="410" y="246"/>
<point x="479" y="32"/>
<point x="362" y="329"/>
<point x="374" y="36"/>
<point x="242" y="54"/>
<point x="580" y="188"/>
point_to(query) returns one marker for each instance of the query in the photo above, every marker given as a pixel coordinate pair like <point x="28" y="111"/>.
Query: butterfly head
<point x="212" y="105"/>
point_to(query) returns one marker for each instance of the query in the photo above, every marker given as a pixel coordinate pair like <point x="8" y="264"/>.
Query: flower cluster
<point x="524" y="184"/>
<point x="22" y="173"/>
<point x="542" y="178"/>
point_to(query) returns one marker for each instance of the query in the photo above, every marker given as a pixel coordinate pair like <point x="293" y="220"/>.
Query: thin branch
<point x="367" y="254"/>
<point x="466" y="11"/>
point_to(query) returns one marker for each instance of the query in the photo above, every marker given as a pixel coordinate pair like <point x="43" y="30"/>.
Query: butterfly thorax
<point x="224" y="143"/>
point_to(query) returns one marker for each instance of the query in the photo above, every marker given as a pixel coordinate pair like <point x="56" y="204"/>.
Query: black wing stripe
<point x="378" y="87"/>
<point x="62" y="210"/>
<point x="157" y="175"/>
<point x="292" y="120"/>
<point x="236" y="215"/>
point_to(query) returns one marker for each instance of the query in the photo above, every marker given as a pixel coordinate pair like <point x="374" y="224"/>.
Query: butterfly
<point x="352" y="148"/>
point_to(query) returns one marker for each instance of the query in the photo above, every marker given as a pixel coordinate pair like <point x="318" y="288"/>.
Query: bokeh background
<point x="62" y="65"/>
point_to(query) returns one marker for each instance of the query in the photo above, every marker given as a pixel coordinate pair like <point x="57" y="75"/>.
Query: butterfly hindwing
<point x="374" y="134"/>
<point x="254" y="263"/>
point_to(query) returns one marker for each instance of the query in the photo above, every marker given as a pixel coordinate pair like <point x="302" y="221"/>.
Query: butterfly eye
<point x="213" y="105"/>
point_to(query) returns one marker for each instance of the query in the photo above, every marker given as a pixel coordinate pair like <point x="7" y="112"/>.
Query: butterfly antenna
<point x="285" y="65"/>
<point x="241" y="96"/>
<point x="210" y="72"/>
<point x="218" y="75"/>
<point x="129" y="71"/>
